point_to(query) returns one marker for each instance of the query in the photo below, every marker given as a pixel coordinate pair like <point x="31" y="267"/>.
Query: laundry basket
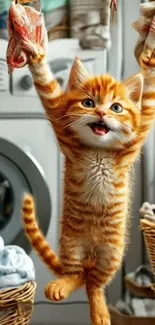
<point x="148" y="229"/>
<point x="16" y="304"/>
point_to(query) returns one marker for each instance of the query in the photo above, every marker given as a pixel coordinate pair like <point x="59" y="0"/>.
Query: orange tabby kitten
<point x="100" y="125"/>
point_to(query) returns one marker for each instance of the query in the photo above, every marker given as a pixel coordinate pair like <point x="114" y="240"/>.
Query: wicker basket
<point x="117" y="318"/>
<point x="16" y="304"/>
<point x="148" y="228"/>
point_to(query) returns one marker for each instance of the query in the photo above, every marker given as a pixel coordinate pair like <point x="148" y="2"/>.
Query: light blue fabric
<point x="46" y="5"/>
<point x="16" y="267"/>
<point x="4" y="5"/>
<point x="3" y="20"/>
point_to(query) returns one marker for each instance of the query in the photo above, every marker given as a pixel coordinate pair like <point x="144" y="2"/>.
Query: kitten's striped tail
<point x="36" y="237"/>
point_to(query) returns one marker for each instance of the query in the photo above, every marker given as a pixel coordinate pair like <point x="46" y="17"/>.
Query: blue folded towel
<point x="3" y="20"/>
<point x="4" y="5"/>
<point x="16" y="267"/>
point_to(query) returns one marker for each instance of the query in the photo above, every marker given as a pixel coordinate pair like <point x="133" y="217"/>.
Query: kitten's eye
<point x="116" y="108"/>
<point x="88" y="103"/>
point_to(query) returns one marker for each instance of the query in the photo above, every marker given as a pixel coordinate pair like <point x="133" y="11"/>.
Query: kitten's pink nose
<point x="100" y="111"/>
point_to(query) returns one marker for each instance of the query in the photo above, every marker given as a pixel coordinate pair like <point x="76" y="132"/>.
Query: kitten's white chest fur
<point x="99" y="176"/>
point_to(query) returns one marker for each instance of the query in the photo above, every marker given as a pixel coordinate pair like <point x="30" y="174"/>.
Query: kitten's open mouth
<point x="99" y="128"/>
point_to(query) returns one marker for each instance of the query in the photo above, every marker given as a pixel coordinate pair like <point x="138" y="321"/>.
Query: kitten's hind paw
<point x="99" y="317"/>
<point x="57" y="290"/>
<point x="100" y="320"/>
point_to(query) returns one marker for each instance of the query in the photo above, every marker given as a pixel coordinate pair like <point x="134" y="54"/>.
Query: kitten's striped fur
<point x="96" y="185"/>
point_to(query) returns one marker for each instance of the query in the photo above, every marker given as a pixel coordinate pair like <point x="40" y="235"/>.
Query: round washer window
<point x="6" y="200"/>
<point x="23" y="174"/>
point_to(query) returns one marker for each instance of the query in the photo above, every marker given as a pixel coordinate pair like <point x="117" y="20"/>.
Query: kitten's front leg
<point x="51" y="96"/>
<point x="48" y="89"/>
<point x="27" y="33"/>
<point x="129" y="155"/>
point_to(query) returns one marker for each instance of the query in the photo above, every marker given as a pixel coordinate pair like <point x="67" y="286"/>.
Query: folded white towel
<point x="16" y="267"/>
<point x="147" y="211"/>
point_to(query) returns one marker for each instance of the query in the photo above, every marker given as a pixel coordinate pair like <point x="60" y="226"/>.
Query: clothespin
<point x="37" y="5"/>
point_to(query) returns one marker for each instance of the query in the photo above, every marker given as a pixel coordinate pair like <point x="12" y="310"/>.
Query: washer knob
<point x="26" y="82"/>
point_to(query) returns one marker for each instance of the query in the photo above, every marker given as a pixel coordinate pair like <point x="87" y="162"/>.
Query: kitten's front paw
<point x="147" y="58"/>
<point x="57" y="290"/>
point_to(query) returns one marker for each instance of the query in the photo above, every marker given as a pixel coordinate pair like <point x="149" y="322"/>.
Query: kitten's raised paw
<point x="57" y="290"/>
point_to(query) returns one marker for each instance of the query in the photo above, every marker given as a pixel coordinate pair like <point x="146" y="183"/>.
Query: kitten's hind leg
<point x="108" y="262"/>
<point x="73" y="276"/>
<point x="98" y="309"/>
<point x="61" y="288"/>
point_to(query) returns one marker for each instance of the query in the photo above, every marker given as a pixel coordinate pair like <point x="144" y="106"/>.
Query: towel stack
<point x="147" y="211"/>
<point x="16" y="267"/>
<point x="90" y="22"/>
<point x="133" y="305"/>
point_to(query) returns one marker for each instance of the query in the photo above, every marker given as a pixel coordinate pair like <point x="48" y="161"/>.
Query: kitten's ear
<point x="134" y="87"/>
<point x="78" y="74"/>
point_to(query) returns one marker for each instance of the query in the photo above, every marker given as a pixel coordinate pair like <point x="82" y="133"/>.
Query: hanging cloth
<point x="145" y="26"/>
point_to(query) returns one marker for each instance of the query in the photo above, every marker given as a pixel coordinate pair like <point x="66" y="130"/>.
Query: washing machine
<point x="31" y="162"/>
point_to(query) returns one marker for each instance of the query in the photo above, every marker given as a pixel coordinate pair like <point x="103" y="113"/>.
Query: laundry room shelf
<point x="16" y="304"/>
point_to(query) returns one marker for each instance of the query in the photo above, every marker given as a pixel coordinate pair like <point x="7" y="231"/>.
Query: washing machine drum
<point x="18" y="175"/>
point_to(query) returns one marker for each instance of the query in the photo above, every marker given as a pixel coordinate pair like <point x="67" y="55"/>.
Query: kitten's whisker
<point x="74" y="123"/>
<point x="69" y="114"/>
<point x="79" y="122"/>
<point x="124" y="127"/>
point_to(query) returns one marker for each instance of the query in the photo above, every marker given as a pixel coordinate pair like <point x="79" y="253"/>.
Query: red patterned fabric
<point x="26" y="32"/>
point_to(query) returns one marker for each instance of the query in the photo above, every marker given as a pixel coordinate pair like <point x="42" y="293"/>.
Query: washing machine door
<point x="20" y="173"/>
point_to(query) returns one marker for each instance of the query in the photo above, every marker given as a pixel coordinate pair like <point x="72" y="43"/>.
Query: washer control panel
<point x="22" y="83"/>
<point x="22" y="97"/>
